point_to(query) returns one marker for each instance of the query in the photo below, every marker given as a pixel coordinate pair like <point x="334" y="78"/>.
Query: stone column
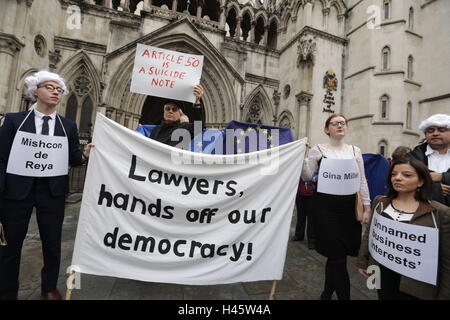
<point x="200" y="4"/>
<point x="252" y="32"/>
<point x="341" y="25"/>
<point x="304" y="113"/>
<point x="126" y="123"/>
<point x="237" y="34"/>
<point x="109" y="112"/>
<point x="9" y="49"/>
<point x="223" y="18"/>
<point x="307" y="11"/>
<point x="266" y="35"/>
<point x="326" y="13"/>
<point x="108" y="4"/>
<point x="174" y="5"/>
<point x="126" y="6"/>
<point x="147" y="5"/>
<point x="119" y="114"/>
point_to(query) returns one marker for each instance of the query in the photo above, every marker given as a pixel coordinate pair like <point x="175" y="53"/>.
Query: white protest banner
<point x="405" y="248"/>
<point x="147" y="218"/>
<point x="35" y="155"/>
<point x="338" y="176"/>
<point x="165" y="73"/>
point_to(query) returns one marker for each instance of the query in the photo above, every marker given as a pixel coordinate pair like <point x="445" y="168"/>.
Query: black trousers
<point x="304" y="218"/>
<point x="390" y="286"/>
<point x="15" y="216"/>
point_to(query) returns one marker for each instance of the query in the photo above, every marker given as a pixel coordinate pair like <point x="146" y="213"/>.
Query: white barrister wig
<point x="42" y="76"/>
<point x="438" y="120"/>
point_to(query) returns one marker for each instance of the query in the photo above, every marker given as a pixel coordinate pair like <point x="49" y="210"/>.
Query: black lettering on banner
<point x="176" y="245"/>
<point x="124" y="239"/>
<point x="145" y="241"/>
<point x="131" y="174"/>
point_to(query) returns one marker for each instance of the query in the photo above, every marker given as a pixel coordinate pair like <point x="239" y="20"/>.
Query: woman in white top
<point x="338" y="233"/>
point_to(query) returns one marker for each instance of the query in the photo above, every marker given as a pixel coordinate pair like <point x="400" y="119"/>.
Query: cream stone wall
<point x="237" y="73"/>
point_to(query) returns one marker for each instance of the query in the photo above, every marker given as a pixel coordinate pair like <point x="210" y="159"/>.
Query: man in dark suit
<point x="21" y="192"/>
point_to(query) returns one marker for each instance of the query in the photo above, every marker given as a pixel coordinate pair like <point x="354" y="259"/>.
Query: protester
<point x="174" y="119"/>
<point x="399" y="153"/>
<point x="407" y="201"/>
<point x="338" y="233"/>
<point x="304" y="213"/>
<point x="22" y="193"/>
<point x="435" y="154"/>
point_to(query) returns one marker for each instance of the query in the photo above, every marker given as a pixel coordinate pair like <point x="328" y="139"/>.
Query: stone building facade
<point x="288" y="63"/>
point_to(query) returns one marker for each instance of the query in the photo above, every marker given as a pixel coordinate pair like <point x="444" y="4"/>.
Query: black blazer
<point x="15" y="187"/>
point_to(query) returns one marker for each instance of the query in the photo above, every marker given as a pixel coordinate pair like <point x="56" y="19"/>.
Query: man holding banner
<point x="173" y="120"/>
<point x="37" y="147"/>
<point x="409" y="237"/>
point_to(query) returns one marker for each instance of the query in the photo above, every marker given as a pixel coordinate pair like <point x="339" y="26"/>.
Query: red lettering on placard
<point x="162" y="83"/>
<point x="142" y="70"/>
<point x="146" y="53"/>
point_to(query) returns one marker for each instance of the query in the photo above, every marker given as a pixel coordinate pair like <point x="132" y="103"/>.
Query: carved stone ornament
<point x="40" y="45"/>
<point x="307" y="48"/>
<point x="285" y="122"/>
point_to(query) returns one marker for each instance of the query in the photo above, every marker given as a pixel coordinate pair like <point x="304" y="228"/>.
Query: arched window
<point x="386" y="58"/>
<point x="71" y="109"/>
<point x="272" y="40"/>
<point x="86" y="115"/>
<point x="409" y="116"/>
<point x="383" y="148"/>
<point x="231" y="22"/>
<point x="246" y="26"/>
<point x="211" y="8"/>
<point x="259" y="30"/>
<point x="384" y="107"/>
<point x="411" y="19"/>
<point x="387" y="9"/>
<point x="410" y="72"/>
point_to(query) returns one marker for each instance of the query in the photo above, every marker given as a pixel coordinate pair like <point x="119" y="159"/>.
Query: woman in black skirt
<point x="338" y="232"/>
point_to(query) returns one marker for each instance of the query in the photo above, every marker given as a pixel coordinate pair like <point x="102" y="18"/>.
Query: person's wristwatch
<point x="197" y="105"/>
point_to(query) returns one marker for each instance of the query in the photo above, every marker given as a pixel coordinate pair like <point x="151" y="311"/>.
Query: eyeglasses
<point x="51" y="88"/>
<point x="171" y="108"/>
<point x="432" y="129"/>
<point x="337" y="123"/>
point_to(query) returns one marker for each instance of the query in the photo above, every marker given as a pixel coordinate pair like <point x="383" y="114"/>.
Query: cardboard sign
<point x="339" y="176"/>
<point x="35" y="155"/>
<point x="405" y="248"/>
<point x="165" y="73"/>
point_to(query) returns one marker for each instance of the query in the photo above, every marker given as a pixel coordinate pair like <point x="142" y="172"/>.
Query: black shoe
<point x="298" y="238"/>
<point x="326" y="296"/>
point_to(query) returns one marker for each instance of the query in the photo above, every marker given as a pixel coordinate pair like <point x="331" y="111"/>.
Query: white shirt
<point x="38" y="121"/>
<point x="438" y="162"/>
<point x="311" y="165"/>
<point x="398" y="215"/>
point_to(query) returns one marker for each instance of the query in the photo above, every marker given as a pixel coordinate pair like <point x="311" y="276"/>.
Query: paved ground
<point x="303" y="276"/>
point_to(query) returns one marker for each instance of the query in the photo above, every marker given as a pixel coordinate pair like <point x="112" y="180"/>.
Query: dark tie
<point x="45" y="125"/>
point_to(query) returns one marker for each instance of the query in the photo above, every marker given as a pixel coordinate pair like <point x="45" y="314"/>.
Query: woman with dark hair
<point x="400" y="152"/>
<point x="337" y="231"/>
<point x="408" y="201"/>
